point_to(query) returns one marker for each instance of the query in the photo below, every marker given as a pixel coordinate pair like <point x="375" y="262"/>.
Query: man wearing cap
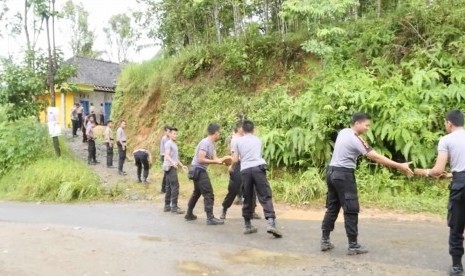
<point x="163" y="140"/>
<point x="205" y="154"/>
<point x="170" y="167"/>
<point x="340" y="179"/>
<point x="451" y="148"/>
<point x="248" y="149"/>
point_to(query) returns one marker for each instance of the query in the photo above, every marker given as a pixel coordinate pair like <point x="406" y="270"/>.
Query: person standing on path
<point x="83" y="128"/>
<point x="205" y="154"/>
<point x="101" y="113"/>
<point x="248" y="149"/>
<point x="80" y="112"/>
<point x="142" y="158"/>
<point x="121" y="143"/>
<point x="171" y="164"/>
<point x="91" y="160"/>
<point x="109" y="140"/>
<point x="163" y="140"/>
<point x="452" y="148"/>
<point x="92" y="109"/>
<point x="75" y="119"/>
<point x="342" y="187"/>
<point x="235" y="182"/>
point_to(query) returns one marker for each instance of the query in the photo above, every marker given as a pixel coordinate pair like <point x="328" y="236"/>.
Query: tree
<point x="120" y="35"/>
<point x="82" y="39"/>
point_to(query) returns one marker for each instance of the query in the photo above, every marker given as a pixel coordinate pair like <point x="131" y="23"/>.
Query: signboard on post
<point x="54" y="128"/>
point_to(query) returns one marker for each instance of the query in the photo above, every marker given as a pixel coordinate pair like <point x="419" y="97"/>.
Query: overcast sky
<point x="99" y="13"/>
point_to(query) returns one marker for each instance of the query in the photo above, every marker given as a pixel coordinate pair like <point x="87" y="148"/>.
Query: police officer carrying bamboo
<point x="248" y="149"/>
<point x="342" y="187"/>
<point x="452" y="148"/>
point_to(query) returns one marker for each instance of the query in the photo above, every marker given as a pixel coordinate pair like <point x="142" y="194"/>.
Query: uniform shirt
<point x="163" y="140"/>
<point x="349" y="146"/>
<point x="233" y="143"/>
<point x="174" y="155"/>
<point x="108" y="134"/>
<point x="120" y="135"/>
<point x="205" y="145"/>
<point x="249" y="149"/>
<point x="74" y="113"/>
<point x="80" y="109"/>
<point x="454" y="145"/>
<point x="89" y="130"/>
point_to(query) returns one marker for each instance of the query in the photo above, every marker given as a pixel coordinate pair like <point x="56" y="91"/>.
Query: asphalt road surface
<point x="140" y="239"/>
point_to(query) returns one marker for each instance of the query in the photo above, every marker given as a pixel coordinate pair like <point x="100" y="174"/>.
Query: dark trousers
<point x="102" y="119"/>
<point x="172" y="187"/>
<point x="80" y="120"/>
<point x="234" y="186"/>
<point x="92" y="151"/>
<point x="163" y="181"/>
<point x="84" y="135"/>
<point x="121" y="156"/>
<point x="203" y="186"/>
<point x="75" y="126"/>
<point x="255" y="179"/>
<point x="109" y="155"/>
<point x="456" y="215"/>
<point x="342" y="192"/>
<point x="142" y="160"/>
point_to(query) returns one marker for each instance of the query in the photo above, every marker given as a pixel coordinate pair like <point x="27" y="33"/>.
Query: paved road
<point x="140" y="239"/>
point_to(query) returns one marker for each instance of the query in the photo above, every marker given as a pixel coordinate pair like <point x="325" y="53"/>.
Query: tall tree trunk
<point x="378" y="8"/>
<point x="216" y="16"/>
<point x="266" y="13"/>
<point x="51" y="74"/>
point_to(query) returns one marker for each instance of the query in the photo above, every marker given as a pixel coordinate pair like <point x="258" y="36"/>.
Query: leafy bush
<point x="22" y="142"/>
<point x="59" y="179"/>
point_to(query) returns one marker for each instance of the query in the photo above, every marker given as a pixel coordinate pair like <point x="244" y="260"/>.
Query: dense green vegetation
<point x="405" y="68"/>
<point x="30" y="171"/>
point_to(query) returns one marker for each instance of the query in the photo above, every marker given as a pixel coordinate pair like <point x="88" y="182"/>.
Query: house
<point x="94" y="83"/>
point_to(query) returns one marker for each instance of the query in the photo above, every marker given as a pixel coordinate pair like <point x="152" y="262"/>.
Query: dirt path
<point x="136" y="237"/>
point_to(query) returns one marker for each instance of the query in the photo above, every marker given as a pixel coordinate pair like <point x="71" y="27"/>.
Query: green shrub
<point x="21" y="143"/>
<point x="59" y="179"/>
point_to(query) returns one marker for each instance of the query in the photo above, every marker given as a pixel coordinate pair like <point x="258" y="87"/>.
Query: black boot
<point x="177" y="210"/>
<point x="167" y="208"/>
<point x="271" y="228"/>
<point x="249" y="228"/>
<point x="223" y="214"/>
<point x="456" y="270"/>
<point x="325" y="242"/>
<point x="355" y="248"/>
<point x="190" y="215"/>
<point x="211" y="220"/>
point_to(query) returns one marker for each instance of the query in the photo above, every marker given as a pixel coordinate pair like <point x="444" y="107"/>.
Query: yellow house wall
<point x="64" y="108"/>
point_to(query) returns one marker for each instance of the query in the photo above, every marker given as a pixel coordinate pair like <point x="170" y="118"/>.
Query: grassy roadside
<point x="49" y="178"/>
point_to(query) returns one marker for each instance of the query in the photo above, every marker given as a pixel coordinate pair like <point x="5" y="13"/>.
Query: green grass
<point x="52" y="179"/>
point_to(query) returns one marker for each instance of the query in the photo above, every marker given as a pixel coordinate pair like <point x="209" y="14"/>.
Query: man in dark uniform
<point x="452" y="148"/>
<point x="205" y="154"/>
<point x="143" y="159"/>
<point x="163" y="140"/>
<point x="171" y="164"/>
<point x="235" y="181"/>
<point x="340" y="178"/>
<point x="92" y="160"/>
<point x="248" y="149"/>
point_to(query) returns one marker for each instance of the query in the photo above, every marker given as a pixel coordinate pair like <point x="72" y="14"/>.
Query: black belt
<point x="458" y="174"/>
<point x="341" y="169"/>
